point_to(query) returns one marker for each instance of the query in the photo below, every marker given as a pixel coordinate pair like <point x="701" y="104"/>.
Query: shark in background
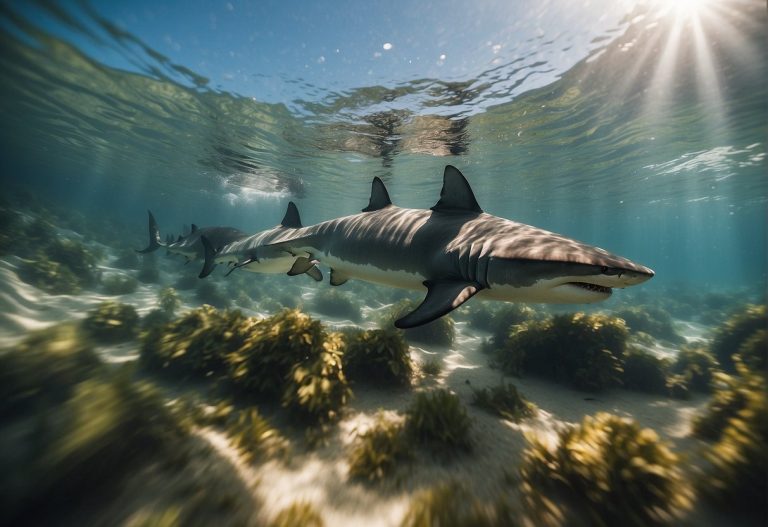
<point x="454" y="251"/>
<point x="241" y="253"/>
<point x="189" y="246"/>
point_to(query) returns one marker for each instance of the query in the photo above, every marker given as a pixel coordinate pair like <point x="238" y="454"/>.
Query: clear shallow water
<point x="634" y="126"/>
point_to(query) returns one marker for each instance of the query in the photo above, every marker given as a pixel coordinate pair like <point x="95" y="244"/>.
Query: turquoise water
<point x="637" y="126"/>
<point x="643" y="132"/>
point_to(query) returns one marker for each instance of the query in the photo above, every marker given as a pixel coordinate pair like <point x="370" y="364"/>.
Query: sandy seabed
<point x="320" y="476"/>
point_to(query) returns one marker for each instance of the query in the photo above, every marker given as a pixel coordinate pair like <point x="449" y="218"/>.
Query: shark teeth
<point x="592" y="287"/>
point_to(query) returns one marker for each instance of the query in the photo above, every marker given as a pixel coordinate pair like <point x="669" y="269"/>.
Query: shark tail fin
<point x="154" y="237"/>
<point x="209" y="254"/>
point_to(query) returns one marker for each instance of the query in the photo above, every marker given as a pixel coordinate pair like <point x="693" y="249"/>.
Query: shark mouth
<point x="592" y="287"/>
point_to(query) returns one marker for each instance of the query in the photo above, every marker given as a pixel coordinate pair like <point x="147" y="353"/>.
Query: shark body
<point x="456" y="251"/>
<point x="241" y="253"/>
<point x="191" y="245"/>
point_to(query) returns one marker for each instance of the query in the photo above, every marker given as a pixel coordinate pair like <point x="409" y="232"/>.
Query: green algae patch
<point x="112" y="322"/>
<point x="334" y="303"/>
<point x="735" y="332"/>
<point x="72" y="427"/>
<point x="438" y="420"/>
<point x="377" y="452"/>
<point x="505" y="401"/>
<point x="377" y="356"/>
<point x="644" y="372"/>
<point x="452" y="504"/>
<point x="606" y="470"/>
<point x="287" y="358"/>
<point x="737" y="419"/>
<point x="580" y="350"/>
<point x="298" y="514"/>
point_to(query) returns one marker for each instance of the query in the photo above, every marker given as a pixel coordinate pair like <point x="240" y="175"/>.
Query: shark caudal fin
<point x="209" y="253"/>
<point x="154" y="237"/>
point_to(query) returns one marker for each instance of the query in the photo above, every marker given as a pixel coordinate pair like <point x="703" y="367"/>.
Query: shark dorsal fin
<point x="379" y="196"/>
<point x="456" y="195"/>
<point x="194" y="227"/>
<point x="291" y="218"/>
<point x="179" y="238"/>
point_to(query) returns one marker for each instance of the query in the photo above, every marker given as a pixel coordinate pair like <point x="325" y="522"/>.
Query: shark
<point x="189" y="246"/>
<point x="241" y="253"/>
<point x="455" y="251"/>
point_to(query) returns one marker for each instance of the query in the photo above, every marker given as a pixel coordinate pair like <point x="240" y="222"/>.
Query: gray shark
<point x="241" y="253"/>
<point x="190" y="245"/>
<point x="456" y="251"/>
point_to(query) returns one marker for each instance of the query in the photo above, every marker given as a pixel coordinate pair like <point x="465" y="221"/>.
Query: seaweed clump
<point x="737" y="420"/>
<point x="195" y="345"/>
<point x="74" y="428"/>
<point x="644" y="372"/>
<point x="112" y="322"/>
<point x="168" y="301"/>
<point x="61" y="266"/>
<point x="44" y="368"/>
<point x="578" y="349"/>
<point x="333" y="303"/>
<point x="440" y="332"/>
<point x="498" y="320"/>
<point x="255" y="438"/>
<point x="378" y="451"/>
<point x="287" y="357"/>
<point x="438" y="420"/>
<point x="505" y="401"/>
<point x="379" y="356"/>
<point x="119" y="284"/>
<point x="736" y="331"/>
<point x="651" y="320"/>
<point x="451" y="504"/>
<point x="607" y="470"/>
<point x="299" y="514"/>
<point x="697" y="367"/>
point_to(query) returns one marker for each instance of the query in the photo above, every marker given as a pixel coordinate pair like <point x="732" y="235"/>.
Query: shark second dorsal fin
<point x="456" y="195"/>
<point x="179" y="238"/>
<point x="379" y="196"/>
<point x="194" y="228"/>
<point x="443" y="296"/>
<point x="291" y="218"/>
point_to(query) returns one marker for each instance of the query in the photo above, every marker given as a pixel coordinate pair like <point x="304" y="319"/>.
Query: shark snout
<point x="630" y="277"/>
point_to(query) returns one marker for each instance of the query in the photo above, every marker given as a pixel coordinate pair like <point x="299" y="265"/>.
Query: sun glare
<point x="687" y="8"/>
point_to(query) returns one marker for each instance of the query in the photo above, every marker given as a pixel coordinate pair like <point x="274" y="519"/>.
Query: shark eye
<point x="604" y="269"/>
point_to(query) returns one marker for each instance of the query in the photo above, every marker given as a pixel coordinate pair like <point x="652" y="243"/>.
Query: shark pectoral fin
<point x="209" y="253"/>
<point x="301" y="265"/>
<point x="338" y="278"/>
<point x="443" y="296"/>
<point x="315" y="273"/>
